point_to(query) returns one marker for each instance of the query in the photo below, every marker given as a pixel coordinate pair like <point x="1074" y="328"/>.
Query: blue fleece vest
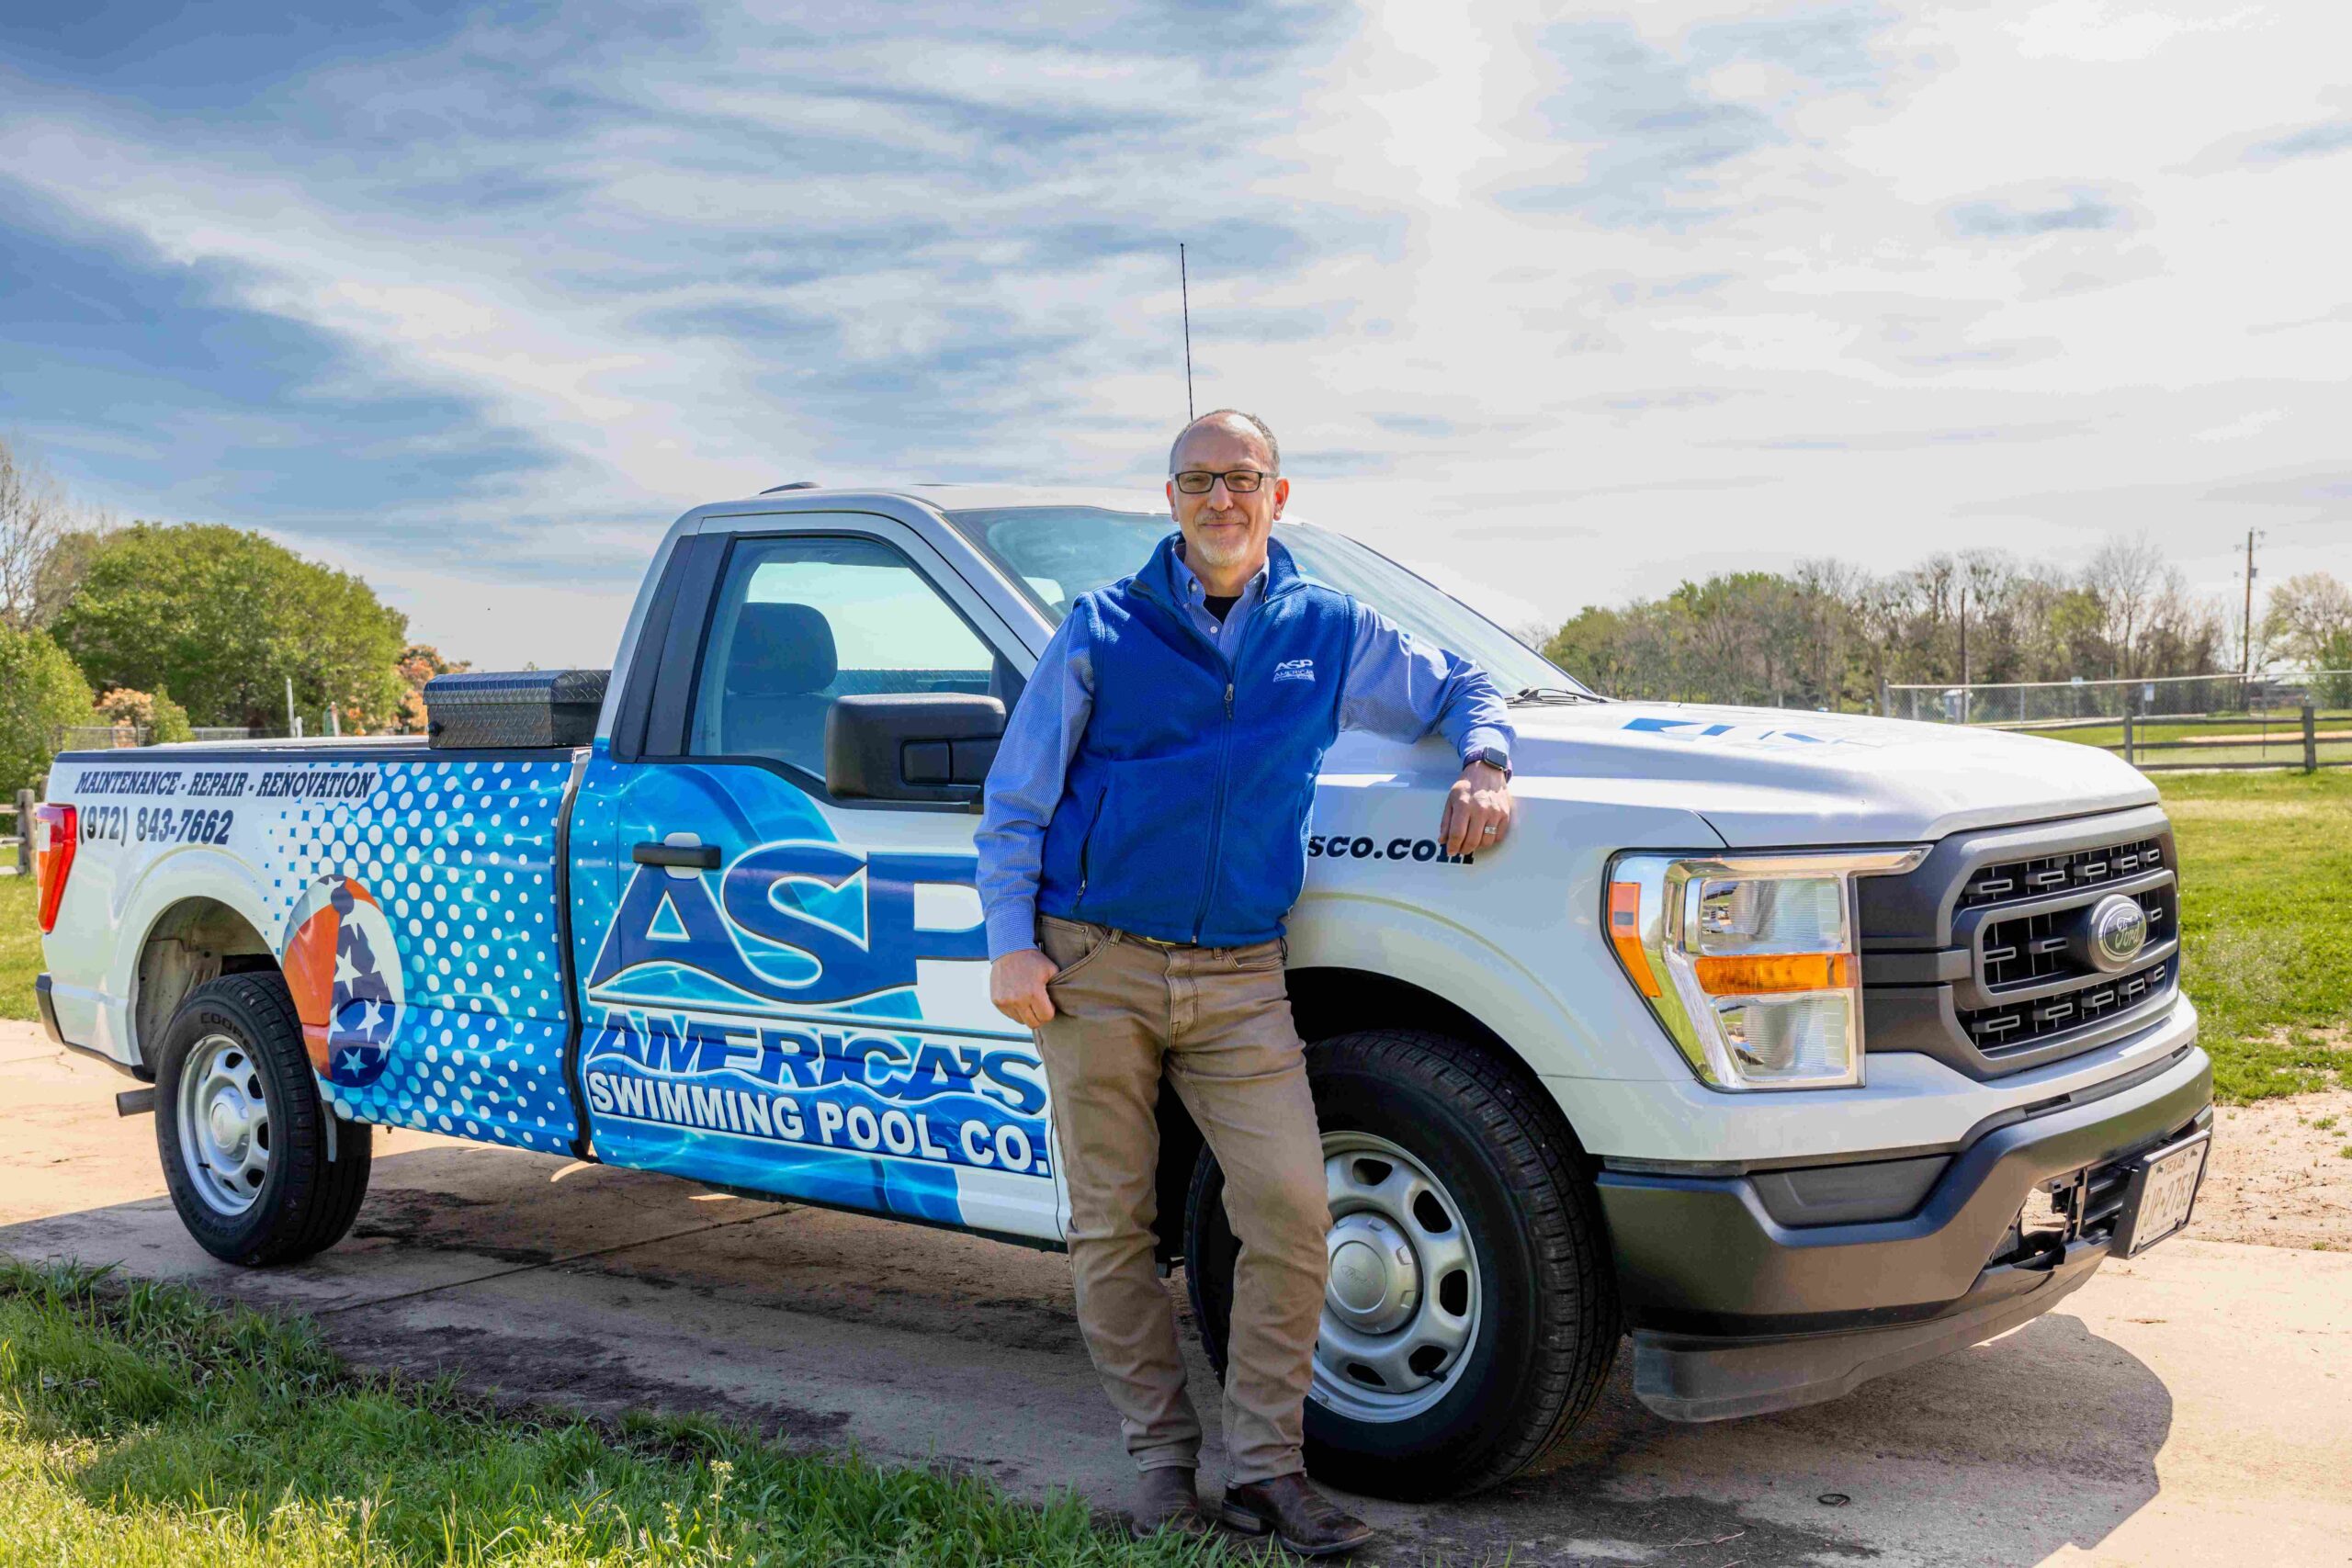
<point x="1183" y="815"/>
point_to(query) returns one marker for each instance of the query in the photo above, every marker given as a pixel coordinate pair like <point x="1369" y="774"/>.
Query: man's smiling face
<point x="1226" y="532"/>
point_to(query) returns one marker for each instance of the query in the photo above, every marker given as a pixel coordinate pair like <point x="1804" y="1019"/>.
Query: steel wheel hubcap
<point x="223" y="1124"/>
<point x="1400" y="1310"/>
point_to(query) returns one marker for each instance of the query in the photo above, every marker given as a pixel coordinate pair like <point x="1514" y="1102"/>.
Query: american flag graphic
<point x="346" y="992"/>
<point x="359" y="1040"/>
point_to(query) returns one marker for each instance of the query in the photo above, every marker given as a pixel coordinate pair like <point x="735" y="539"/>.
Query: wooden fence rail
<point x="22" y="810"/>
<point x="2134" y="745"/>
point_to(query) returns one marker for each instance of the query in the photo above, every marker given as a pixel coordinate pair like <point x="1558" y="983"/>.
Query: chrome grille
<point x="2002" y="1031"/>
<point x="1983" y="955"/>
<point x="2010" y="880"/>
<point x="2032" y="948"/>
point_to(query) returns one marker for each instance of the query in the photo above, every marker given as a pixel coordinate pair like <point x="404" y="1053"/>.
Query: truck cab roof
<point x="938" y="495"/>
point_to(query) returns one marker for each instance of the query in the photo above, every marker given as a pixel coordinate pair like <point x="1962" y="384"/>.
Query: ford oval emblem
<point x="2119" y="929"/>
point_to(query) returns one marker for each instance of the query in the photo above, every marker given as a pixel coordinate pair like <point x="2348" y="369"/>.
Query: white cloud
<point x="1803" y="281"/>
<point x="2253" y="423"/>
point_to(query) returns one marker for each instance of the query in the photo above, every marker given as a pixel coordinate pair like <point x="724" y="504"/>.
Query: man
<point x="1142" y="841"/>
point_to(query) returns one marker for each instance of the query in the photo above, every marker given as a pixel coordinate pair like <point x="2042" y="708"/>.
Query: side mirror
<point x="934" y="746"/>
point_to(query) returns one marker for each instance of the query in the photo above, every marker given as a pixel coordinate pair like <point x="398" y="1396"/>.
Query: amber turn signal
<point x="1625" y="934"/>
<point x="1758" y="973"/>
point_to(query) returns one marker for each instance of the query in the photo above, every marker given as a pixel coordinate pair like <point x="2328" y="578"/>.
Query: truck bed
<point x="416" y="894"/>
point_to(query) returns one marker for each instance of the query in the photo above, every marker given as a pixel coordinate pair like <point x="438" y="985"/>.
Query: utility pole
<point x="1964" y="692"/>
<point x="2245" y="630"/>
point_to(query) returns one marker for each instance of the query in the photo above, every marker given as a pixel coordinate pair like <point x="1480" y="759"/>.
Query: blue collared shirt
<point x="1398" y="686"/>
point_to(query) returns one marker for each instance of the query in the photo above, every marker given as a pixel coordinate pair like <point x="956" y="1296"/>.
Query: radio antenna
<point x="1184" y="284"/>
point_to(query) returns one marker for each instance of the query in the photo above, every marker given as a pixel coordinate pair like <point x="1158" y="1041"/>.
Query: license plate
<point x="2163" y="1191"/>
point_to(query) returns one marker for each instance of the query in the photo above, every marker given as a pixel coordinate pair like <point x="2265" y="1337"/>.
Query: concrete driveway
<point x="2192" y="1407"/>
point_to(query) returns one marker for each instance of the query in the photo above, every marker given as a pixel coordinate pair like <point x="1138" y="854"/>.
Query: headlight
<point x="1750" y="961"/>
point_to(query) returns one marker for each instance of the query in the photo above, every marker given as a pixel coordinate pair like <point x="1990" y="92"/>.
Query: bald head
<point x="1249" y="426"/>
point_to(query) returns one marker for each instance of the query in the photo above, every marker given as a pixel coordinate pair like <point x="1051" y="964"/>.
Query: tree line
<point x="1828" y="634"/>
<point x="159" y="628"/>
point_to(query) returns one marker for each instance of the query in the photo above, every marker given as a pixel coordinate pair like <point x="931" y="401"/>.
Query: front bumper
<point x="1736" y="1312"/>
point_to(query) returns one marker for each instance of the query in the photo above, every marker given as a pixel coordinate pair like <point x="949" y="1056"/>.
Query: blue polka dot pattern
<point x="460" y="858"/>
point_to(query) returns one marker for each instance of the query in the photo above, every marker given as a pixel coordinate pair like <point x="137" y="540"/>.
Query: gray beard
<point x="1214" y="555"/>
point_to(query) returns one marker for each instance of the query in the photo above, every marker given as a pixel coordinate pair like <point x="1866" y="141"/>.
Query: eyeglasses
<point x="1241" y="481"/>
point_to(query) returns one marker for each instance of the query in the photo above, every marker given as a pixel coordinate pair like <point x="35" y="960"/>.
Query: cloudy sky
<point x="1559" y="303"/>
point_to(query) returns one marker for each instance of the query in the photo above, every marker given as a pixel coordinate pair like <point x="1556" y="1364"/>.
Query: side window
<point x="804" y="620"/>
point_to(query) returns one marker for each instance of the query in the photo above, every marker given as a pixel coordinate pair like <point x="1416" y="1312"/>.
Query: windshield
<point x="1060" y="552"/>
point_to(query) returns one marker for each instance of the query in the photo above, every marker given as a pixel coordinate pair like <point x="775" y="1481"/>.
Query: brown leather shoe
<point x="1165" y="1500"/>
<point x="1300" y="1517"/>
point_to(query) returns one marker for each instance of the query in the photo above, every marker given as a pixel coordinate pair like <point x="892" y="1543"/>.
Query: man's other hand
<point x="1017" y="986"/>
<point x="1477" y="812"/>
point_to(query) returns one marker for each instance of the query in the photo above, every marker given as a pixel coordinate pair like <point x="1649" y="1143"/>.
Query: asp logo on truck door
<point x="773" y="1009"/>
<point x="800" y="923"/>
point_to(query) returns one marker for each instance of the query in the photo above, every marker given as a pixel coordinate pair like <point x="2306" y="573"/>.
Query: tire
<point x="256" y="1169"/>
<point x="1545" y="1328"/>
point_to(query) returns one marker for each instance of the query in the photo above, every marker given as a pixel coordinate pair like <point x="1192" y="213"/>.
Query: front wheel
<point x="256" y="1169"/>
<point x="1470" y="1316"/>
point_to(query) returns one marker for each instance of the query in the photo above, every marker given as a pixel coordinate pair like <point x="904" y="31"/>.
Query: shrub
<point x="40" y="693"/>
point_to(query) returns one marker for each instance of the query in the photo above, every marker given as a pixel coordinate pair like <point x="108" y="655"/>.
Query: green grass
<point x="142" y="1425"/>
<point x="2265" y="859"/>
<point x="19" y="947"/>
<point x="2326" y="753"/>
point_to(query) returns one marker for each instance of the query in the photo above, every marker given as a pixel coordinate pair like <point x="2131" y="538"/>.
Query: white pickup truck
<point x="1798" y="1047"/>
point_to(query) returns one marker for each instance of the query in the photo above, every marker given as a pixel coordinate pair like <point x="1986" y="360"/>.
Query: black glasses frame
<point x="1200" y="481"/>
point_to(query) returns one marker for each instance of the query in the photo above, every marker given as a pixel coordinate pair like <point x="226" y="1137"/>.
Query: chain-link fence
<point x="2294" y="719"/>
<point x="2054" y="704"/>
<point x="122" y="737"/>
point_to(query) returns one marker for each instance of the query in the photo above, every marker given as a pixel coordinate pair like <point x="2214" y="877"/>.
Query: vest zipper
<point x="1217" y="812"/>
<point x="1085" y="845"/>
<point x="1225" y="750"/>
<point x="1224" y="760"/>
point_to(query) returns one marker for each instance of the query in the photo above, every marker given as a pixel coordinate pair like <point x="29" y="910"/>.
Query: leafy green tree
<point x="225" y="618"/>
<point x="2310" y="620"/>
<point x="170" y="723"/>
<point x="41" y="691"/>
<point x="2334" y="689"/>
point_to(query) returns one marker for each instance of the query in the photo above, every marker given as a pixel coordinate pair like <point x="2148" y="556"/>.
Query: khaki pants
<point x="1217" y="1021"/>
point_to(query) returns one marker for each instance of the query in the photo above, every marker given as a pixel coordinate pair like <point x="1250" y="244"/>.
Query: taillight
<point x="56" y="829"/>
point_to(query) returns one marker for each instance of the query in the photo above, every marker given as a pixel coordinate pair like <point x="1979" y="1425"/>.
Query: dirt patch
<point x="2281" y="1174"/>
<point x="415" y="1216"/>
<point x="571" y="1374"/>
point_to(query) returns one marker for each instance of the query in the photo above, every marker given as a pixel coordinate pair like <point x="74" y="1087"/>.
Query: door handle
<point x="700" y="857"/>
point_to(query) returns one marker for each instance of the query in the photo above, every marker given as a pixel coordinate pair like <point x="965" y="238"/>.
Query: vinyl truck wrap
<point x="1798" y="1047"/>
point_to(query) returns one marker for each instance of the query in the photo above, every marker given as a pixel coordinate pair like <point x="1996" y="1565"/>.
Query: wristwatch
<point x="1493" y="756"/>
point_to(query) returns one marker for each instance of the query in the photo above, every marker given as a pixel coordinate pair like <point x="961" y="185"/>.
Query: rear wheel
<point x="256" y="1168"/>
<point x="1470" y="1318"/>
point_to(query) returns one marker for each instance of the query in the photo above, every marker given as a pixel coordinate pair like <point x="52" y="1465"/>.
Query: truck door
<point x="786" y="991"/>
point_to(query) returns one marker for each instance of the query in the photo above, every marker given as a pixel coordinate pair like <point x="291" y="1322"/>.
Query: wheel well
<point x="195" y="941"/>
<point x="1329" y="1003"/>
<point x="1326" y="1003"/>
